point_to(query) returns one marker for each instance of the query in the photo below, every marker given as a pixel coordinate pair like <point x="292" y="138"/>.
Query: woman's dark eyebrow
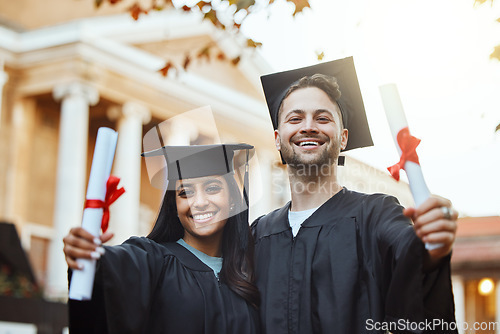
<point x="188" y="185"/>
<point x="212" y="181"/>
<point x="184" y="185"/>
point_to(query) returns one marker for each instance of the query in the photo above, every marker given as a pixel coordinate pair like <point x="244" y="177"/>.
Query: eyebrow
<point x="320" y="111"/>
<point x="182" y="185"/>
<point x="295" y="111"/>
<point x="212" y="181"/>
<point x="316" y="112"/>
<point x="187" y="185"/>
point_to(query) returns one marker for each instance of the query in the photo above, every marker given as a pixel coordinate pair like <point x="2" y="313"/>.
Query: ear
<point x="277" y="140"/>
<point x="343" y="139"/>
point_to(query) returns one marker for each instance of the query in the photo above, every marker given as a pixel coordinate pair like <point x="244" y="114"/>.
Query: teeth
<point x="204" y="216"/>
<point x="304" y="143"/>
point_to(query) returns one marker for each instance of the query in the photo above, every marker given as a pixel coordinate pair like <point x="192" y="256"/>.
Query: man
<point x="337" y="261"/>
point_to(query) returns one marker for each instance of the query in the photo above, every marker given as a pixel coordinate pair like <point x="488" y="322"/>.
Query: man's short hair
<point x="326" y="83"/>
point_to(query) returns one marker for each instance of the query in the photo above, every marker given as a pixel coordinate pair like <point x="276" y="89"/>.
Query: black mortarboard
<point x="185" y="162"/>
<point x="351" y="103"/>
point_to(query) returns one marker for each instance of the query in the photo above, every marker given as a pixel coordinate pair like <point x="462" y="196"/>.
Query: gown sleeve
<point x="413" y="297"/>
<point x="126" y="278"/>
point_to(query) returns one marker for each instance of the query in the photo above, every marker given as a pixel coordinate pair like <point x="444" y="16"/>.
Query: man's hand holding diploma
<point x="433" y="217"/>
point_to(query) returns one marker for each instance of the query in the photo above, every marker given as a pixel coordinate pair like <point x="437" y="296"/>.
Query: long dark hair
<point x="237" y="242"/>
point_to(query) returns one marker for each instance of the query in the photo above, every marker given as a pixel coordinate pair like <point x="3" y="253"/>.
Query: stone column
<point x="459" y="297"/>
<point x="180" y="133"/>
<point x="124" y="213"/>
<point x="17" y="179"/>
<point x="71" y="175"/>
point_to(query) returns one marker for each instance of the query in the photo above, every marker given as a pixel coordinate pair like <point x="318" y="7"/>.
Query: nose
<point x="309" y="126"/>
<point x="199" y="200"/>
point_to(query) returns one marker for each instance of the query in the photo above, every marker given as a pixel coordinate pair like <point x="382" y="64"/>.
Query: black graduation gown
<point x="355" y="266"/>
<point x="145" y="287"/>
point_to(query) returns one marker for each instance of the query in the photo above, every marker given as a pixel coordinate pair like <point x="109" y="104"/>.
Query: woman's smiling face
<point x="203" y="206"/>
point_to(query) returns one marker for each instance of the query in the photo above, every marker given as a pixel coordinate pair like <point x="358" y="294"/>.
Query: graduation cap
<point x="350" y="102"/>
<point x="186" y="162"/>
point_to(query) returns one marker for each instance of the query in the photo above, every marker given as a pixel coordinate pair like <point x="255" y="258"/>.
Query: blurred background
<point x="69" y="67"/>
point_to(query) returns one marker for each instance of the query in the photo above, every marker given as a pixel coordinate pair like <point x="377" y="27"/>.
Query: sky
<point x="437" y="53"/>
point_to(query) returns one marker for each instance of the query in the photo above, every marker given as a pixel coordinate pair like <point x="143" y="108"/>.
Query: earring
<point x="231" y="208"/>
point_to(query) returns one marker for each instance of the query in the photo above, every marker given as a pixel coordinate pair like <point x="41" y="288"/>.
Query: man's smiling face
<point x="310" y="128"/>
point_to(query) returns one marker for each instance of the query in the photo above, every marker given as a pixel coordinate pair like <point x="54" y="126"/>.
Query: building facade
<point x="65" y="74"/>
<point x="476" y="274"/>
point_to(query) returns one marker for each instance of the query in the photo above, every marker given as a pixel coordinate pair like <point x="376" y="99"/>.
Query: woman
<point x="192" y="274"/>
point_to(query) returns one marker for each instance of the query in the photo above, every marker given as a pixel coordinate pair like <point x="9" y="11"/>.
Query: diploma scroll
<point x="401" y="135"/>
<point x="82" y="281"/>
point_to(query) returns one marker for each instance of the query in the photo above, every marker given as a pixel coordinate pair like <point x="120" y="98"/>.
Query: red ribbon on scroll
<point x="112" y="194"/>
<point x="408" y="145"/>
